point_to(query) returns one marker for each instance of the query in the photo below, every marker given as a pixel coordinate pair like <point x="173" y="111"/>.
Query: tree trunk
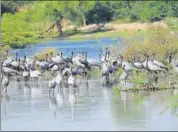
<point x="59" y="27"/>
<point x="128" y="3"/>
<point x="83" y="19"/>
<point x="99" y="28"/>
<point x="51" y="27"/>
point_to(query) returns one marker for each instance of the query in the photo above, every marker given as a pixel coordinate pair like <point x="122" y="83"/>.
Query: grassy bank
<point x="16" y="33"/>
<point x="103" y="33"/>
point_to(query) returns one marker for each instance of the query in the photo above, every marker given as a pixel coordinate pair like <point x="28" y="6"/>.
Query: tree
<point x="5" y="9"/>
<point x="77" y="11"/>
<point x="174" y="5"/>
<point x="53" y="11"/>
<point x="12" y="6"/>
<point x="84" y="7"/>
<point x="100" y="13"/>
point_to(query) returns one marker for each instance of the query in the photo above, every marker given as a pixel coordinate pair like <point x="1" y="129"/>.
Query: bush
<point x="160" y="42"/>
<point x="172" y="23"/>
<point x="42" y="54"/>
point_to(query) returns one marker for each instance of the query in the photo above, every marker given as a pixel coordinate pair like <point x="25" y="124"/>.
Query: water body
<point x="88" y="107"/>
<point x="91" y="107"/>
<point x="66" y="46"/>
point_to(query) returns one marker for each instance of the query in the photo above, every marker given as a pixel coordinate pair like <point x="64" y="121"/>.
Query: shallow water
<point x="91" y="107"/>
<point x="91" y="46"/>
<point x="88" y="107"/>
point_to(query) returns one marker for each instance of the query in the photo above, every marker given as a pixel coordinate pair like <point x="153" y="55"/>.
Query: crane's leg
<point x="60" y="87"/>
<point x="5" y="89"/>
<point x="53" y="91"/>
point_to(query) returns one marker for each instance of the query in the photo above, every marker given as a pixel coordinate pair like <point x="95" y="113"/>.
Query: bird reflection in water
<point x="124" y="98"/>
<point x="5" y="98"/>
<point x="174" y="110"/>
<point x="60" y="98"/>
<point x="72" y="99"/>
<point x="53" y="104"/>
<point x="27" y="90"/>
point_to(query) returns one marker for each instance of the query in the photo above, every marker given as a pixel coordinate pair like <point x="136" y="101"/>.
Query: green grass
<point x="100" y="34"/>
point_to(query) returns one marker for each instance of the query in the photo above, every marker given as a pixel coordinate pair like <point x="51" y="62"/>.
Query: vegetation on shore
<point x="42" y="55"/>
<point x="31" y="22"/>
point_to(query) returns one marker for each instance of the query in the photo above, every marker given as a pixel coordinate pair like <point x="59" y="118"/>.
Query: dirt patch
<point x="136" y="26"/>
<point x="123" y="27"/>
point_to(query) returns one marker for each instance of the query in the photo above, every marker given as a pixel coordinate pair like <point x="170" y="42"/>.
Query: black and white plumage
<point x="66" y="60"/>
<point x="26" y="75"/>
<point x="52" y="84"/>
<point x="7" y="62"/>
<point x="150" y="66"/>
<point x="35" y="74"/>
<point x="58" y="59"/>
<point x="80" y="61"/>
<point x="72" y="77"/>
<point x="123" y="77"/>
<point x="72" y="81"/>
<point x="174" y="65"/>
<point x="8" y="70"/>
<point x="160" y="64"/>
<point x="137" y="64"/>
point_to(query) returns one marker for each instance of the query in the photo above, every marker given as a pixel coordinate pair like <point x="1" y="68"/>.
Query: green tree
<point x="53" y="11"/>
<point x="12" y="6"/>
<point x="99" y="14"/>
<point x="84" y="7"/>
<point x="77" y="11"/>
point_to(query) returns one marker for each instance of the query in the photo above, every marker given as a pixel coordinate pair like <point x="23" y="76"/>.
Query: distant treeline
<point x="105" y="10"/>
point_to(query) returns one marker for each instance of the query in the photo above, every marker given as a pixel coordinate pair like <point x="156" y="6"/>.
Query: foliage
<point x="160" y="42"/>
<point x="2" y="49"/>
<point x="77" y="11"/>
<point x="172" y="23"/>
<point x="12" y="6"/>
<point x="172" y="102"/>
<point x="138" y="78"/>
<point x="32" y="19"/>
<point x="13" y="33"/>
<point x="42" y="55"/>
<point x="100" y="13"/>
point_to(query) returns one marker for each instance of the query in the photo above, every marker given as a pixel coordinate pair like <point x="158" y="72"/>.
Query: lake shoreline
<point x="91" y="32"/>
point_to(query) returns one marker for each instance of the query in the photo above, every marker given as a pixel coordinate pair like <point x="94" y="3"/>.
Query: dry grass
<point x="136" y="26"/>
<point x="42" y="54"/>
<point x="159" y="41"/>
<point x="2" y="49"/>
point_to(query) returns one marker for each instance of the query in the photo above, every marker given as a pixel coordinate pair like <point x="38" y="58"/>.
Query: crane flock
<point x="34" y="69"/>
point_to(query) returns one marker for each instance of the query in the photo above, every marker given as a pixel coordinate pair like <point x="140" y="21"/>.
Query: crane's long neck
<point x="121" y="60"/>
<point x="25" y="58"/>
<point x="7" y="54"/>
<point x="101" y="51"/>
<point x="51" y="56"/>
<point x="153" y="57"/>
<point x="61" y="55"/>
<point x="146" y="61"/>
<point x="72" y="54"/>
<point x="86" y="56"/>
<point x="106" y="56"/>
<point x="170" y="59"/>
<point x="16" y="57"/>
<point x="46" y="57"/>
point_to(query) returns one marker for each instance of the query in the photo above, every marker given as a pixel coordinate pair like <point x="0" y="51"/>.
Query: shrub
<point x="42" y="54"/>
